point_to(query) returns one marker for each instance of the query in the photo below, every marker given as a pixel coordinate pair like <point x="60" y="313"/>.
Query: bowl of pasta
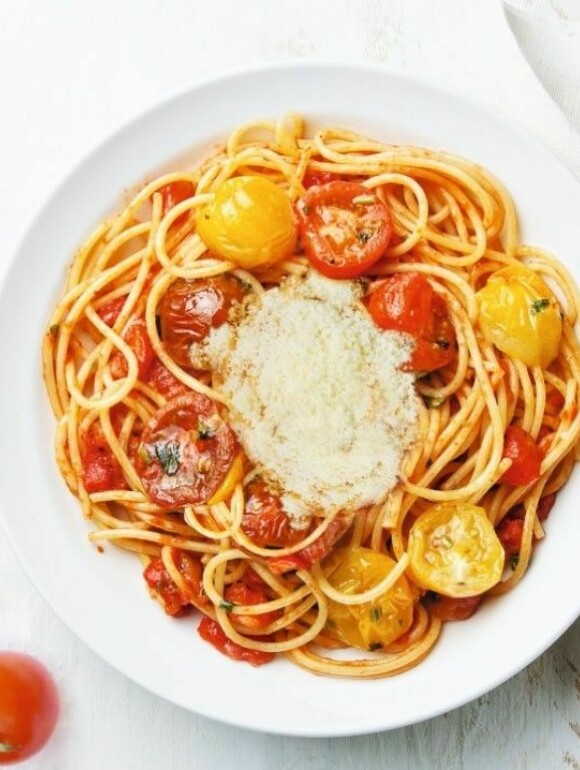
<point x="306" y="415"/>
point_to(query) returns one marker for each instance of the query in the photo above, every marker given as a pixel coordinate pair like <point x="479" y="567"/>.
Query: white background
<point x="70" y="73"/>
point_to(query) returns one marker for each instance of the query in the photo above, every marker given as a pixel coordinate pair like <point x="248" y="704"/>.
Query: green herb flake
<point x="434" y="402"/>
<point x="539" y="305"/>
<point x="365" y="199"/>
<point x="204" y="431"/>
<point x="168" y="456"/>
<point x="145" y="456"/>
<point x="514" y="560"/>
<point x="376" y="614"/>
<point x="226" y="606"/>
<point x="364" y="236"/>
<point x="374" y="646"/>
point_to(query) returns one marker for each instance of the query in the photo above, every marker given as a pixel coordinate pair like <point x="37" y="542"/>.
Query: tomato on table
<point x="101" y="469"/>
<point x="519" y="314"/>
<point x="454" y="550"/>
<point x="241" y="593"/>
<point x="137" y="338"/>
<point x="344" y="228"/>
<point x="321" y="547"/>
<point x="211" y="631"/>
<point x="29" y="706"/>
<point x="406" y="303"/>
<point x="185" y="452"/>
<point x="526" y="457"/>
<point x="265" y="521"/>
<point x="191" y="308"/>
<point x="250" y="222"/>
<point x="370" y="625"/>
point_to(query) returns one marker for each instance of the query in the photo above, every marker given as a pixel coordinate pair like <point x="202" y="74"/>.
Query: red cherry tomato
<point x="28" y="706"/>
<point x="242" y="593"/>
<point x="185" y="452"/>
<point x="265" y="522"/>
<point x="138" y="340"/>
<point x="159" y="580"/>
<point x="344" y="228"/>
<point x="111" y="310"/>
<point x="510" y="531"/>
<point x="161" y="380"/>
<point x="101" y="469"/>
<point x="211" y="631"/>
<point x="545" y="506"/>
<point x="305" y="558"/>
<point x="190" y="309"/>
<point x="454" y="608"/>
<point x="407" y="303"/>
<point x="174" y="193"/>
<point x="526" y="457"/>
<point x="313" y="178"/>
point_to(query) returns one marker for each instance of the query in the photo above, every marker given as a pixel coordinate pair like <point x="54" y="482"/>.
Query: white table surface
<point x="71" y="72"/>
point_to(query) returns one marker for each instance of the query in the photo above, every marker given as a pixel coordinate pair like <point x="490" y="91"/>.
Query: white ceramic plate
<point x="102" y="597"/>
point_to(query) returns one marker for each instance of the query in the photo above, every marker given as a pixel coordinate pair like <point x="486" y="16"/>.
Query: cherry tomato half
<point x="321" y="547"/>
<point x="159" y="580"/>
<point x="265" y="522"/>
<point x="448" y="608"/>
<point x="101" y="469"/>
<point x="454" y="550"/>
<point x="344" y="228"/>
<point x="250" y="221"/>
<point x="190" y="309"/>
<point x="161" y="380"/>
<point x="243" y="594"/>
<point x="185" y="452"/>
<point x="138" y="340"/>
<point x="407" y="303"/>
<point x="371" y="625"/>
<point x="313" y="178"/>
<point x="519" y="314"/>
<point x="28" y="706"/>
<point x="526" y="457"/>
<point x="211" y="631"/>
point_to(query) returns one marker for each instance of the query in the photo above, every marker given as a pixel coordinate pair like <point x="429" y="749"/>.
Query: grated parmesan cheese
<point x="318" y="398"/>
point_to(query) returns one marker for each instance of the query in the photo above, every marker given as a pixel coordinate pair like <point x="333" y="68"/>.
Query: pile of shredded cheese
<point x="318" y="398"/>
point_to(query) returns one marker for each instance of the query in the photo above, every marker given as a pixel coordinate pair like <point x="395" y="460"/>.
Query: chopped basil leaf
<point x="374" y="646"/>
<point x="376" y="613"/>
<point x="434" y="402"/>
<point x="364" y="200"/>
<point x="364" y="236"/>
<point x="204" y="430"/>
<point x="144" y="455"/>
<point x="227" y="606"/>
<point x="514" y="560"/>
<point x="168" y="456"/>
<point x="539" y="305"/>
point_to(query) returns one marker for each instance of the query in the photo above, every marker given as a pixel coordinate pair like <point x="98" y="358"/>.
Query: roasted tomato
<point x="454" y="550"/>
<point x="510" y="531"/>
<point x="545" y="506"/>
<point x="265" y="522"/>
<point x="176" y="192"/>
<point x="138" y="340"/>
<point x="249" y="222"/>
<point x="161" y="380"/>
<point x="186" y="451"/>
<point x="110" y="311"/>
<point x="159" y="580"/>
<point x="519" y="314"/>
<point x="344" y="228"/>
<point x="190" y="309"/>
<point x="101" y="469"/>
<point x="321" y="547"/>
<point x="28" y="706"/>
<point x="241" y="593"/>
<point x="407" y="303"/>
<point x="526" y="457"/>
<point x="371" y="625"/>
<point x="211" y="631"/>
<point x="446" y="608"/>
<point x="313" y="178"/>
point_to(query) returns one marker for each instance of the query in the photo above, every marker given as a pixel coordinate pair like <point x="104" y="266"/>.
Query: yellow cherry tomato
<point x="233" y="476"/>
<point x="250" y="222"/>
<point x="519" y="313"/>
<point x="454" y="550"/>
<point x="370" y="625"/>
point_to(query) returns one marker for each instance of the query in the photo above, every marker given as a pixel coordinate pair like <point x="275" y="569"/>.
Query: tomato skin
<point x="185" y="452"/>
<point x="101" y="469"/>
<point x="138" y="340"/>
<point x="407" y="303"/>
<point x="243" y="594"/>
<point x="519" y="314"/>
<point x="265" y="522"/>
<point x="190" y="309"/>
<point x="250" y="222"/>
<point x="176" y="192"/>
<point x="211" y="631"/>
<point x="305" y="558"/>
<point x="454" y="550"/>
<point x="313" y="178"/>
<point x="111" y="310"/>
<point x="342" y="238"/>
<point x="29" y="706"/>
<point x="449" y="608"/>
<point x="526" y="457"/>
<point x="545" y="506"/>
<point x="161" y="380"/>
<point x="159" y="580"/>
<point x="510" y="531"/>
<point x="370" y="625"/>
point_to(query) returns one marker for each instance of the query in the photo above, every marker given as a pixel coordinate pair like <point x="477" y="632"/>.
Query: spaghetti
<point x="498" y="421"/>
